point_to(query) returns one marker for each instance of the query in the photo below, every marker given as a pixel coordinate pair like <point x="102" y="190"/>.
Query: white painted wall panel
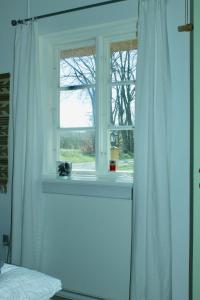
<point x="87" y="244"/>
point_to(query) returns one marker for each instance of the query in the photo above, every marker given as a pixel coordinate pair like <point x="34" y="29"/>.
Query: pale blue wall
<point x="9" y="10"/>
<point x="180" y="144"/>
<point x="89" y="17"/>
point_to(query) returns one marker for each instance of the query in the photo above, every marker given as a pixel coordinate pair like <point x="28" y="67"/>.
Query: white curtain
<point x="27" y="149"/>
<point x="151" y="274"/>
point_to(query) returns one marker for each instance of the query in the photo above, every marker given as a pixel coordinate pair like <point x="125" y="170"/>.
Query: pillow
<point x="18" y="283"/>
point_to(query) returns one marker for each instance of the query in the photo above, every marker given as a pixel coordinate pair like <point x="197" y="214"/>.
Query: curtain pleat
<point x="151" y="270"/>
<point x="27" y="149"/>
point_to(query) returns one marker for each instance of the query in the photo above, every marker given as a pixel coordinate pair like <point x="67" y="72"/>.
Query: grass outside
<point x="75" y="156"/>
<point x="126" y="165"/>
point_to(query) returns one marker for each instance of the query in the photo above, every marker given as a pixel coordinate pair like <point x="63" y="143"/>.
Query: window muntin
<point x="89" y="127"/>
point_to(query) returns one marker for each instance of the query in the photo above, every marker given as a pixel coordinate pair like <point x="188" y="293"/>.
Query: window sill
<point x="92" y="186"/>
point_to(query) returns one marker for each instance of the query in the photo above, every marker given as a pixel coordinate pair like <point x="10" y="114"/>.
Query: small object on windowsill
<point x="114" y="153"/>
<point x="64" y="168"/>
<point x="113" y="165"/>
<point x="186" y="27"/>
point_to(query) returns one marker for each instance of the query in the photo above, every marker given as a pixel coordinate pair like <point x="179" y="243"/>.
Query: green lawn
<point x="75" y="156"/>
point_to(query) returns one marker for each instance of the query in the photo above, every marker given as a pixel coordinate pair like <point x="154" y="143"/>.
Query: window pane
<point x="79" y="148"/>
<point x="77" y="67"/>
<point x="123" y="105"/>
<point x="77" y="108"/>
<point x="121" y="149"/>
<point x="123" y="74"/>
<point x="123" y="61"/>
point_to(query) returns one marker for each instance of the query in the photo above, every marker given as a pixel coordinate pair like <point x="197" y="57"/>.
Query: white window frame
<point x="50" y="46"/>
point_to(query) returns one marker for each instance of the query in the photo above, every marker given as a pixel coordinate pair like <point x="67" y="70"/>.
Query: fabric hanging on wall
<point x="151" y="271"/>
<point x="4" y="119"/>
<point x="27" y="149"/>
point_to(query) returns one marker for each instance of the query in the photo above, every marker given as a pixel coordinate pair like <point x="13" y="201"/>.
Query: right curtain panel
<point x="151" y="270"/>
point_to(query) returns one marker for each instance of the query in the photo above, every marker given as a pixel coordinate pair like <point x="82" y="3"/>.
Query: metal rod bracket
<point x="186" y="28"/>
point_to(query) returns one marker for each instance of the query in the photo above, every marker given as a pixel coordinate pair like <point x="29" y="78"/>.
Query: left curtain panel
<point x="4" y="119"/>
<point x="27" y="149"/>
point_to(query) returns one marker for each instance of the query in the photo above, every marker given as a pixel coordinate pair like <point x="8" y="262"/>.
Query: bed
<point x="17" y="283"/>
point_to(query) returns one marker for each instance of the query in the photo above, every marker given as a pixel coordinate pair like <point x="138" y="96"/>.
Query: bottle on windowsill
<point x="113" y="165"/>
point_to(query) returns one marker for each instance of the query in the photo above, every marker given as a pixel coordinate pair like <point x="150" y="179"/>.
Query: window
<point x="94" y="102"/>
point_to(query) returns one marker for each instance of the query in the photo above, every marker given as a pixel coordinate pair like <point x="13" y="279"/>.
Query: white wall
<point x="87" y="243"/>
<point x="89" y="17"/>
<point x="180" y="70"/>
<point x="179" y="52"/>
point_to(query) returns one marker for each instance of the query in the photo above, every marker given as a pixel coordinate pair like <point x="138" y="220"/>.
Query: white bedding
<point x="17" y="283"/>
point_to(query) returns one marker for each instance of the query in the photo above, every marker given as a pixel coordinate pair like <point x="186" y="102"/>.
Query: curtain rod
<point x="15" y="22"/>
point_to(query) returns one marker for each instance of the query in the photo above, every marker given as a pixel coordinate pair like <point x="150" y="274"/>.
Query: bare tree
<point x="80" y="73"/>
<point x="124" y="77"/>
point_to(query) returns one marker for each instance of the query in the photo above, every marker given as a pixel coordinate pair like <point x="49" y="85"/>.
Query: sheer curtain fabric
<point x="27" y="149"/>
<point x="151" y="273"/>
